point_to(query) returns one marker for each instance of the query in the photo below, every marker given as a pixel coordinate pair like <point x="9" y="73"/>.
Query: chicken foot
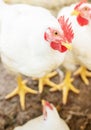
<point x="84" y="73"/>
<point x="65" y="86"/>
<point x="46" y="81"/>
<point x="21" y="90"/>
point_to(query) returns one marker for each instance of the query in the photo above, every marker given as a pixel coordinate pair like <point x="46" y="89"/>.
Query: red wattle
<point x="49" y="105"/>
<point x="45" y="36"/>
<point x="58" y="46"/>
<point x="82" y="21"/>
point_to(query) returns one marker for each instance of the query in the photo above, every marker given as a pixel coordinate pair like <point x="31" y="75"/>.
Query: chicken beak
<point x="75" y="13"/>
<point x="67" y="45"/>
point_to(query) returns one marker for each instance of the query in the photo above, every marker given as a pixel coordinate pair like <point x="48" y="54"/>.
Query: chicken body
<point x="52" y="121"/>
<point x="70" y="61"/>
<point x="81" y="47"/>
<point x="31" y="44"/>
<point x="81" y="52"/>
<point x="23" y="47"/>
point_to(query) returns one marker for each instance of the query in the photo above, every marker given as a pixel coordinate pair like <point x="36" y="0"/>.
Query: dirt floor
<point x="77" y="111"/>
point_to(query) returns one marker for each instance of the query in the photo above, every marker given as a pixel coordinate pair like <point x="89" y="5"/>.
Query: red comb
<point x="80" y="3"/>
<point x="67" y="28"/>
<point x="49" y="105"/>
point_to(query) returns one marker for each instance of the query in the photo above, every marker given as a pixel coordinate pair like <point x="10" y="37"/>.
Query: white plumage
<point x="23" y="47"/>
<point x="81" y="42"/>
<point x="32" y="43"/>
<point x="50" y="120"/>
<point x="70" y="61"/>
<point x="81" y="47"/>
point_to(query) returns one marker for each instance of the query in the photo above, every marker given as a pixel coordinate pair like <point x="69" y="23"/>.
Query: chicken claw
<point x="65" y="86"/>
<point x="84" y="73"/>
<point x="46" y="81"/>
<point x="21" y="90"/>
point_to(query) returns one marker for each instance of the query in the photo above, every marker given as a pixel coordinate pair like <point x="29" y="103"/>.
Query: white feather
<point x="52" y="122"/>
<point x="81" y="52"/>
<point x="22" y="45"/>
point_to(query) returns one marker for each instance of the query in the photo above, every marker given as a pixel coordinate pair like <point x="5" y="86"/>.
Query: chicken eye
<point x="56" y="33"/>
<point x="86" y="8"/>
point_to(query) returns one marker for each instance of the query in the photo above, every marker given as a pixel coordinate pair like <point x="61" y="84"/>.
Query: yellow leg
<point x="46" y="81"/>
<point x="65" y="86"/>
<point x="84" y="73"/>
<point x="21" y="90"/>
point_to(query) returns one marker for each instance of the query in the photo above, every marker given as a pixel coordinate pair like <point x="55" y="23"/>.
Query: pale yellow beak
<point x="67" y="45"/>
<point x="75" y="12"/>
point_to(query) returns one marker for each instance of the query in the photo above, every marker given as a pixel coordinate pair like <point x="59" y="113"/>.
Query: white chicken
<point x="50" y="120"/>
<point x="81" y="52"/>
<point x="32" y="43"/>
